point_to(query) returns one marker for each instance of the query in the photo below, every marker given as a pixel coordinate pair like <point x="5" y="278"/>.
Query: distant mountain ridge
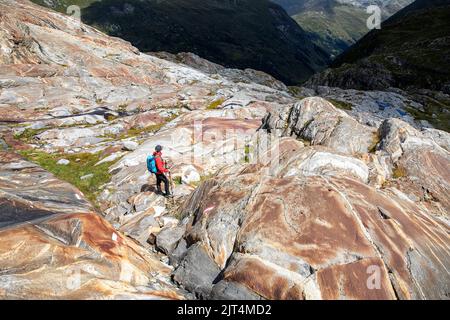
<point x="412" y="49"/>
<point x="294" y="7"/>
<point x="410" y="52"/>
<point x="337" y="23"/>
<point x="255" y="34"/>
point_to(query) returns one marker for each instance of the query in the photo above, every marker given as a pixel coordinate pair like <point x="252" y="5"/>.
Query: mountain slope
<point x="337" y="29"/>
<point x="389" y="7"/>
<point x="252" y="34"/>
<point x="411" y="50"/>
<point x="337" y="23"/>
<point x="297" y="191"/>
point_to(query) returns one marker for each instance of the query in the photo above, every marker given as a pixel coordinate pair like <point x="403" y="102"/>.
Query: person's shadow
<point x="148" y="188"/>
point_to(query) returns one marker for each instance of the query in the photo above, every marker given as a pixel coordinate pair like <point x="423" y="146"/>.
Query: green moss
<point x="306" y="142"/>
<point x="111" y="117"/>
<point x="341" y="104"/>
<point x="81" y="164"/>
<point x="215" y="104"/>
<point x="307" y="123"/>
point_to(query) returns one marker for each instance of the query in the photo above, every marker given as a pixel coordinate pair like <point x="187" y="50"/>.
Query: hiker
<point x="156" y="165"/>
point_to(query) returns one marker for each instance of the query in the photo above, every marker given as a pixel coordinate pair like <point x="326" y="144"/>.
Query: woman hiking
<point x="157" y="165"/>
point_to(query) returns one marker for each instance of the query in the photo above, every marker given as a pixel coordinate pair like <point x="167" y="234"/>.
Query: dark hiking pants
<point x="161" y="177"/>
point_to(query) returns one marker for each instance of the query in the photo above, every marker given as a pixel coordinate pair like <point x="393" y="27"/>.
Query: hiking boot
<point x="168" y="195"/>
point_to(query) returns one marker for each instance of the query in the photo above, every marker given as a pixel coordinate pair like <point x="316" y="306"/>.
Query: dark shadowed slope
<point x="253" y="34"/>
<point x="411" y="50"/>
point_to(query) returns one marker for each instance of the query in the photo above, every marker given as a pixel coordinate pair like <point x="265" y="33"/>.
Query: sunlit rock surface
<point x="314" y="236"/>
<point x="343" y="204"/>
<point x="319" y="122"/>
<point x="54" y="246"/>
<point x="314" y="226"/>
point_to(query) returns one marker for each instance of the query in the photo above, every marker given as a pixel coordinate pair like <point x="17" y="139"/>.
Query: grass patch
<point x="435" y="112"/>
<point x="247" y="153"/>
<point x="295" y="92"/>
<point x="177" y="180"/>
<point x="28" y="134"/>
<point x="134" y="132"/>
<point x="81" y="164"/>
<point x="399" y="172"/>
<point x="215" y="104"/>
<point x="341" y="104"/>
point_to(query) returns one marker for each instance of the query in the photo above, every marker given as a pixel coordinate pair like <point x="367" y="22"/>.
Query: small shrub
<point x="122" y="108"/>
<point x="28" y="134"/>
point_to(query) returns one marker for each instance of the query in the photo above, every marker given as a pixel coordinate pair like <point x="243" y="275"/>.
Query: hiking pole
<point x="172" y="187"/>
<point x="171" y="183"/>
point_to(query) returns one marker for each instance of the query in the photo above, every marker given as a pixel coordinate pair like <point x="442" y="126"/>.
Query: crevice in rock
<point x="52" y="235"/>
<point x="383" y="213"/>
<point x="312" y="270"/>
<point x="393" y="283"/>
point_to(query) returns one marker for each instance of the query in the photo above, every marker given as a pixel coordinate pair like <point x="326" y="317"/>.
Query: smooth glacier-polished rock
<point x="53" y="245"/>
